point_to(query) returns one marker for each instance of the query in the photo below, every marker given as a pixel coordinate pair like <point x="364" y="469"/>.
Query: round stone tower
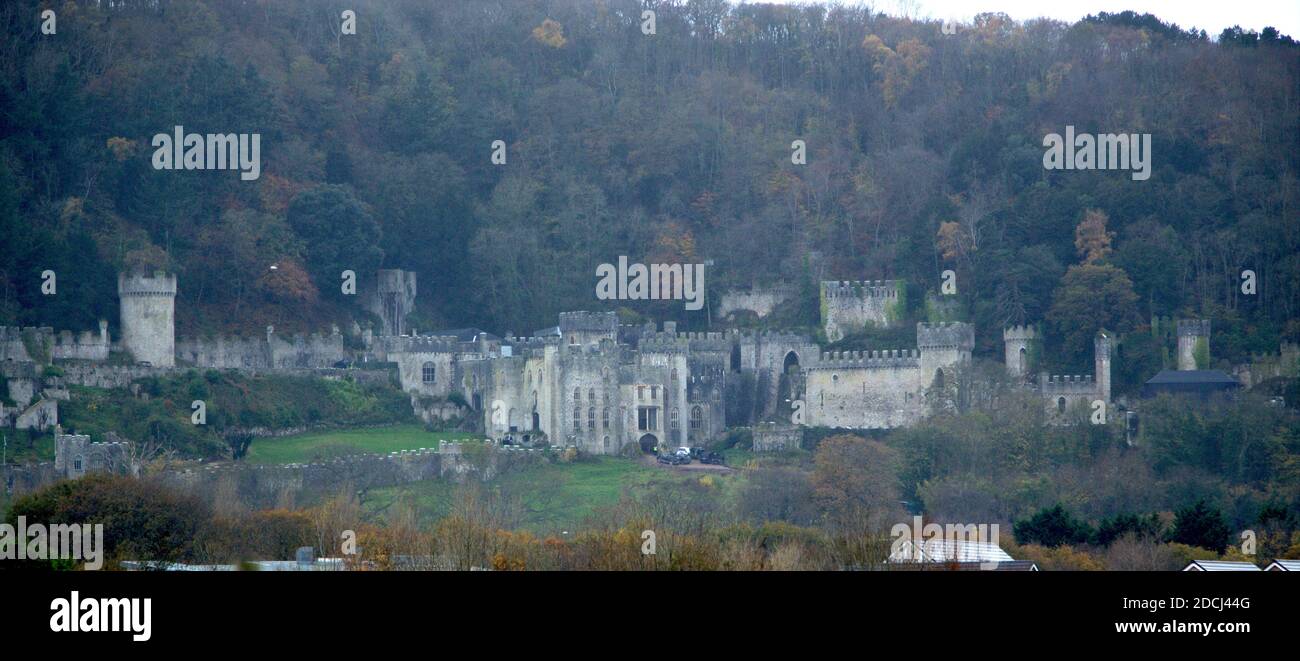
<point x="1193" y="341"/>
<point x="1101" y="357"/>
<point x="1021" y="349"/>
<point x="148" y="317"/>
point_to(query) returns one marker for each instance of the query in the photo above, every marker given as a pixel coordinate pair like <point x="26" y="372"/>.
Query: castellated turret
<point x="943" y="346"/>
<point x="1193" y="333"/>
<point x="1101" y="346"/>
<point x="1021" y="349"/>
<point x="148" y="316"/>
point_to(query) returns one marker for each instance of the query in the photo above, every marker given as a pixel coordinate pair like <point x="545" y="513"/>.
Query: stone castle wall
<point x="759" y="300"/>
<point x="849" y="307"/>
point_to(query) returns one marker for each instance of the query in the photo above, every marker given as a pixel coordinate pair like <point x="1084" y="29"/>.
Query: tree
<point x="1201" y="525"/>
<point x="856" y="482"/>
<point x="339" y="232"/>
<point x="1091" y="238"/>
<point x="1052" y="527"/>
<point x="1091" y="297"/>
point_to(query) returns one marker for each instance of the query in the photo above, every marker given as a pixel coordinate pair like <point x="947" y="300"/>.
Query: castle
<point x="590" y="382"/>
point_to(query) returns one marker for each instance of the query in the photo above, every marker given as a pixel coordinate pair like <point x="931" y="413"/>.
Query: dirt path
<point x="694" y="466"/>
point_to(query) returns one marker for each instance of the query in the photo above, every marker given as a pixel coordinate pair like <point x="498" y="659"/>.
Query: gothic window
<point x="606" y="444"/>
<point x="604" y="418"/>
<point x="577" y="419"/>
<point x="938" y="379"/>
<point x="717" y="395"/>
<point x="672" y="419"/>
<point x="1060" y="405"/>
<point x="674" y="376"/>
<point x="697" y="419"/>
<point x="577" y="395"/>
<point x="591" y="395"/>
<point x="591" y="419"/>
<point x="428" y="373"/>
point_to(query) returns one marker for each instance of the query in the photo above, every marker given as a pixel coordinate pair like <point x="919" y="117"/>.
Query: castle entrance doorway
<point x="649" y="444"/>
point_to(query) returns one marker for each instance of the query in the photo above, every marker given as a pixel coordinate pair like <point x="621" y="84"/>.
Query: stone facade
<point x="1193" y="336"/>
<point x="759" y="300"/>
<point x="848" y="307"/>
<point x="148" y="317"/>
<point x="777" y="437"/>
<point x="1022" y="349"/>
<point x="392" y="299"/>
<point x="75" y="455"/>
<point x="890" y="388"/>
<point x="1065" y="397"/>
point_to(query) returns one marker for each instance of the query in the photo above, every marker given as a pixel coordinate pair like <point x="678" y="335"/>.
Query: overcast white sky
<point x="1210" y="15"/>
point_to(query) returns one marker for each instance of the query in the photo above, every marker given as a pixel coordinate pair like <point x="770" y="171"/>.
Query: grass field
<point x="325" y="444"/>
<point x="556" y="497"/>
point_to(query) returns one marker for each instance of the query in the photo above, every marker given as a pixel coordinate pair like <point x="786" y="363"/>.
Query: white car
<point x="682" y="452"/>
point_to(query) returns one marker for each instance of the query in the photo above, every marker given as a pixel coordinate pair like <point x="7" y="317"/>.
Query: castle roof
<point x="1199" y="377"/>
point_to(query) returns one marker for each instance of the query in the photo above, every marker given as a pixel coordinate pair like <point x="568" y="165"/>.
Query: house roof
<point x="1220" y="565"/>
<point x="1284" y="565"/>
<point x="950" y="550"/>
<point x="1191" y="377"/>
<point x="1006" y="565"/>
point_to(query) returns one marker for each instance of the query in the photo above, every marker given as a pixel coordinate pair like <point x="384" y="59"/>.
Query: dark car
<point x="713" y="458"/>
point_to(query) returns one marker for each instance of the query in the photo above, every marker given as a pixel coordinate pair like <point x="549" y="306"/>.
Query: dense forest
<point x="924" y="153"/>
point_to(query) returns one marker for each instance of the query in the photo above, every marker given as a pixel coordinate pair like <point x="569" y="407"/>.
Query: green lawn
<point x="554" y="497"/>
<point x="321" y="445"/>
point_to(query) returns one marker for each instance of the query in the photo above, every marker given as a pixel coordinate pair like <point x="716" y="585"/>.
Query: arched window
<point x="717" y="394"/>
<point x="606" y="442"/>
<point x="577" y="419"/>
<point x="1022" y="357"/>
<point x="938" y="378"/>
<point x="604" y="418"/>
<point x="591" y="419"/>
<point x="428" y="373"/>
<point x="697" y="419"/>
<point x="591" y="395"/>
<point x="672" y="419"/>
<point x="1060" y="405"/>
<point x="577" y="395"/>
<point x="674" y="376"/>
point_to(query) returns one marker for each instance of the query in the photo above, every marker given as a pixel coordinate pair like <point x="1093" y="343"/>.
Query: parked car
<point x="712" y="458"/>
<point x="673" y="459"/>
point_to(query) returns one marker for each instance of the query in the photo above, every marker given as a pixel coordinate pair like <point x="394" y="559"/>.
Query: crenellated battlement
<point x="160" y="283"/>
<point x="860" y="288"/>
<point x="883" y="359"/>
<point x="592" y="322"/>
<point x="945" y="335"/>
<point x="1025" y="333"/>
<point x="1059" y="384"/>
<point x="1193" y="328"/>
